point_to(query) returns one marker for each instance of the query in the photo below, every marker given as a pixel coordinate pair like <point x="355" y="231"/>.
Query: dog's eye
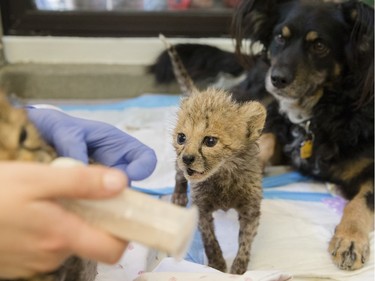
<point x="210" y="141"/>
<point x="279" y="39"/>
<point x="319" y="48"/>
<point x="23" y="136"/>
<point x="181" y="138"/>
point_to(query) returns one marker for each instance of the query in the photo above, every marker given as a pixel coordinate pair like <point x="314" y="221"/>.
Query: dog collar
<point x="306" y="147"/>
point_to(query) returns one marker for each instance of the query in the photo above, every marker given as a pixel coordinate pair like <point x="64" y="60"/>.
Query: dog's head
<point x="312" y="45"/>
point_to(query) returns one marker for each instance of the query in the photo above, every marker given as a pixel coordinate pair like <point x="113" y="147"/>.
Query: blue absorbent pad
<point x="144" y="101"/>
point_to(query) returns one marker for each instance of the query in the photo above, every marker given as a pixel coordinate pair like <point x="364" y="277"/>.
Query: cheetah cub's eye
<point x="210" y="141"/>
<point x="22" y="136"/>
<point x="181" y="138"/>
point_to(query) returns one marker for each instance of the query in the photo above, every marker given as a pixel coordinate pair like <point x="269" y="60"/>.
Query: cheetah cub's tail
<point x="183" y="78"/>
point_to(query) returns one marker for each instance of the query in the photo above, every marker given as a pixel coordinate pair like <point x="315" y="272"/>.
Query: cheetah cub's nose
<point x="188" y="159"/>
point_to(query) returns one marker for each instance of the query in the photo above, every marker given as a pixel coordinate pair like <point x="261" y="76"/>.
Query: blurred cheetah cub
<point x="215" y="139"/>
<point x="20" y="140"/>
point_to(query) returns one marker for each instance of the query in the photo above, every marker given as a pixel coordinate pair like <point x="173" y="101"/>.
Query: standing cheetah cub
<point x="216" y="141"/>
<point x="216" y="144"/>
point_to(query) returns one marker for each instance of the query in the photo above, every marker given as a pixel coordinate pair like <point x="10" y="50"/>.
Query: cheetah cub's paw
<point x="180" y="199"/>
<point x="218" y="264"/>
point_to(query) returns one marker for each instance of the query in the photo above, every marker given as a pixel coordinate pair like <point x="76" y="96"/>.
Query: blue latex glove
<point x="80" y="139"/>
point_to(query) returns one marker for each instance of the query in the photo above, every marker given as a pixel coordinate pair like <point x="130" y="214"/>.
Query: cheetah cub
<point x="20" y="140"/>
<point x="216" y="142"/>
<point x="215" y="139"/>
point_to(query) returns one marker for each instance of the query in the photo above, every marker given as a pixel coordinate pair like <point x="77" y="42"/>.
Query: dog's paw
<point x="349" y="253"/>
<point x="180" y="199"/>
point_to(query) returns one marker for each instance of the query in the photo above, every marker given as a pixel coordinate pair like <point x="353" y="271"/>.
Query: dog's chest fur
<point x="343" y="137"/>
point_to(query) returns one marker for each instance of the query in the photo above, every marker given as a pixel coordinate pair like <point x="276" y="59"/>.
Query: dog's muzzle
<point x="281" y="77"/>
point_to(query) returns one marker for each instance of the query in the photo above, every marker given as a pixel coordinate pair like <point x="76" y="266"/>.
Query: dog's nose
<point x="188" y="159"/>
<point x="281" y="78"/>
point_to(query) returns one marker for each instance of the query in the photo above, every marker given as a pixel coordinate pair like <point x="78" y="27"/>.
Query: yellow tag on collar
<point x="306" y="149"/>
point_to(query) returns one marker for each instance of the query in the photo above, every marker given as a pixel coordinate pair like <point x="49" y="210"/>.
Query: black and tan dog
<point x="317" y="66"/>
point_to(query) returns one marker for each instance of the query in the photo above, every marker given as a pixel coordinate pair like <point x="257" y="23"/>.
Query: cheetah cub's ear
<point x="256" y="117"/>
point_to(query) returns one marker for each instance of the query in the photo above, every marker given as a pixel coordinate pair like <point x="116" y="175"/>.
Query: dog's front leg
<point x="248" y="229"/>
<point x="267" y="146"/>
<point x="349" y="246"/>
<point x="211" y="245"/>
<point x="179" y="196"/>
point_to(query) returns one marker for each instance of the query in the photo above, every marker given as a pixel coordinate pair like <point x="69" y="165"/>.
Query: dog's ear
<point x="255" y="19"/>
<point x="360" y="48"/>
<point x="360" y="17"/>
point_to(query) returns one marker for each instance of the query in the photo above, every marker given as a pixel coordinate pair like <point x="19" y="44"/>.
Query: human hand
<point x="80" y="139"/>
<point x="36" y="233"/>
